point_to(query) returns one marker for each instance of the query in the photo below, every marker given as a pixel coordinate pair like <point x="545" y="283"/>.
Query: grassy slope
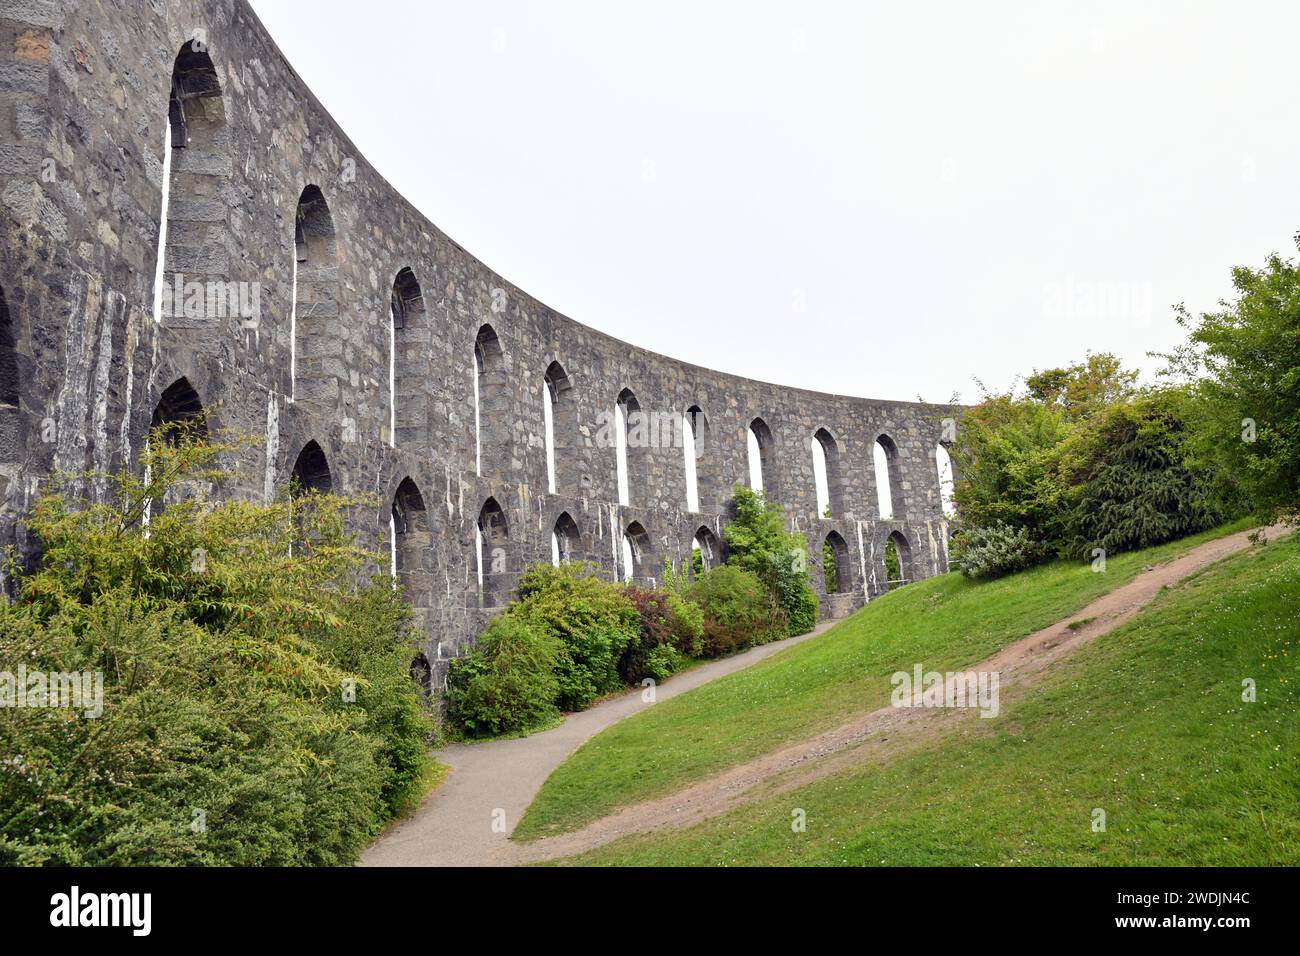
<point x="1147" y="723"/>
<point x="942" y="623"/>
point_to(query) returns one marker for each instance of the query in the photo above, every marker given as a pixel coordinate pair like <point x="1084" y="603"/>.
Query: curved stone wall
<point x="266" y="193"/>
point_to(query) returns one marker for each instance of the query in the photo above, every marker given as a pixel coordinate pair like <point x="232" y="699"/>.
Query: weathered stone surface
<point x="86" y="364"/>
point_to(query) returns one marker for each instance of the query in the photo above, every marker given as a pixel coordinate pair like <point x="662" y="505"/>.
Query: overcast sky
<point x="887" y="200"/>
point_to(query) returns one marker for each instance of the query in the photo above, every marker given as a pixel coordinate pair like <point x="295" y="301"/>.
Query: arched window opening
<point x="898" y="561"/>
<point x="561" y="423"/>
<point x="317" y="335"/>
<point x="192" y="116"/>
<point x="311" y="472"/>
<point x="705" y="551"/>
<point x="636" y="552"/>
<point x="759" y="440"/>
<point x="422" y="674"/>
<point x="836" y="570"/>
<point x="192" y="244"/>
<point x="410" y="541"/>
<point x="943" y="461"/>
<point x="492" y="446"/>
<point x="826" y="474"/>
<point x="689" y="461"/>
<point x="10" y="397"/>
<point x="178" y="416"/>
<point x="564" y="540"/>
<point x="548" y="425"/>
<point x="493" y="538"/>
<point x="408" y="411"/>
<point x="889" y="484"/>
<point x="629" y="432"/>
<point x="179" y="413"/>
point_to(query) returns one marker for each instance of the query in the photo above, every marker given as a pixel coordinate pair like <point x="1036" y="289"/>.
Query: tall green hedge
<point x="257" y="704"/>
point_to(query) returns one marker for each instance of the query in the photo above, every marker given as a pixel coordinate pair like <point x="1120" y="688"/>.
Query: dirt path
<point x="888" y="731"/>
<point x="497" y="780"/>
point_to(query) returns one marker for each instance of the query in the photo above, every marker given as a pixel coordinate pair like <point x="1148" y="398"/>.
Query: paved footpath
<point x="454" y="826"/>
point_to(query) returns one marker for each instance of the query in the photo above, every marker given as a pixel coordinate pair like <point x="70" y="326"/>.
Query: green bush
<point x="671" y="631"/>
<point x="801" y="608"/>
<point x="257" y="702"/>
<point x="508" y="682"/>
<point x="758" y="542"/>
<point x="738" y="610"/>
<point x="1138" y="487"/>
<point x="993" y="551"/>
<point x="1084" y="459"/>
<point x="593" y="620"/>
<point x="688" y="626"/>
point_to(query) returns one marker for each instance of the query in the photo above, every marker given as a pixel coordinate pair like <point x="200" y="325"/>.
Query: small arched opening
<point x="311" y="472"/>
<point x="409" y="536"/>
<point x="560" y="419"/>
<point x="631" y="445"/>
<point x="564" y="540"/>
<point x="636" y="553"/>
<point x="706" y="553"/>
<point x="492" y="447"/>
<point x="759" y="441"/>
<point x="408" y="378"/>
<point x="317" y="335"/>
<point x="701" y="491"/>
<point x="889" y="479"/>
<point x="179" y="414"/>
<point x="422" y="674"/>
<point x="826" y="474"/>
<point x="10" y="395"/>
<point x="836" y="570"/>
<point x="898" y="561"/>
<point x="492" y="537"/>
<point x="192" y="234"/>
<point x="943" y="463"/>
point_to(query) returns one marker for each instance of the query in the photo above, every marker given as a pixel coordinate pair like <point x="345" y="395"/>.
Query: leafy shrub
<point x="738" y="610"/>
<point x="225" y="657"/>
<point x="758" y="542"/>
<point x="688" y="626"/>
<point x="1138" y="488"/>
<point x="1085" y="459"/>
<point x="1008" y="455"/>
<point x="672" y="630"/>
<point x="593" y="620"/>
<point x="993" y="551"/>
<point x="801" y="607"/>
<point x="508" y="682"/>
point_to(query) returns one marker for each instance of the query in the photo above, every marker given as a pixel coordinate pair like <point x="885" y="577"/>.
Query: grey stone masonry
<point x="306" y="302"/>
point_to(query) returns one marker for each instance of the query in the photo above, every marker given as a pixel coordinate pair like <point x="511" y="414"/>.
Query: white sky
<point x="875" y="199"/>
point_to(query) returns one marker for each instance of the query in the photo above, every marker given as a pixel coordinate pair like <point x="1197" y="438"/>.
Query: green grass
<point x="1147" y="723"/>
<point x="942" y="623"/>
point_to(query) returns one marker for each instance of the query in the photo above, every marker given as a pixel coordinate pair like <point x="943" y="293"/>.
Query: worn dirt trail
<point x="454" y="827"/>
<point x="888" y="731"/>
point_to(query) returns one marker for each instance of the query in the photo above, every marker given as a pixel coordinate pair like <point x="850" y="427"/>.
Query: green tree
<point x="1081" y="458"/>
<point x="1245" y="362"/>
<point x="1008" y="454"/>
<point x="1137" y="485"/>
<point x="1082" y="388"/>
